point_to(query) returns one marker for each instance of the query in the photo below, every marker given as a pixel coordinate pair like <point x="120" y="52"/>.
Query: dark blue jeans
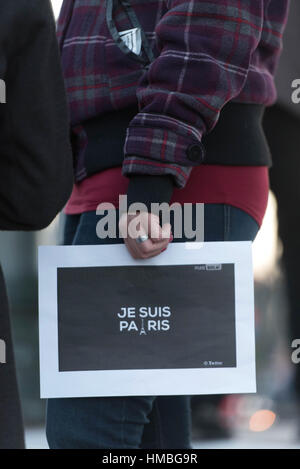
<point x="161" y="422"/>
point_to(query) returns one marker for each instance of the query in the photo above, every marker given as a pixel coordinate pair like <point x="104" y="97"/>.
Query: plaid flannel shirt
<point x="207" y="53"/>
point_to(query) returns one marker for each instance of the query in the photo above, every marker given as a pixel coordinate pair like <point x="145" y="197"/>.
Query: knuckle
<point x="145" y="249"/>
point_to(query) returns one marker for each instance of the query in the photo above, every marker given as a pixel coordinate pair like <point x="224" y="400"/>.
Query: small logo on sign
<point x="212" y="363"/>
<point x="213" y="266"/>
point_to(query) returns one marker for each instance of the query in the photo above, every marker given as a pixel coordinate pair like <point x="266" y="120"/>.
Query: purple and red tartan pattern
<point x="207" y="54"/>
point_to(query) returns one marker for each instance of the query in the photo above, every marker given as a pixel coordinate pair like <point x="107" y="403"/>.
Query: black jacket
<point x="35" y="156"/>
<point x="36" y="170"/>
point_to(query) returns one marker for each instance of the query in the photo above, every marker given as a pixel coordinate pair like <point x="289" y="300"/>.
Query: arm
<point x="205" y="51"/>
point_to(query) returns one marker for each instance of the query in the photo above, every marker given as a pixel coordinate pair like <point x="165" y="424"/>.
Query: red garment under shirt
<point x="245" y="187"/>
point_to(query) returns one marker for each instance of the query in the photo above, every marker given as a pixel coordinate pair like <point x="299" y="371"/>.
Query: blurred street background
<point x="268" y="419"/>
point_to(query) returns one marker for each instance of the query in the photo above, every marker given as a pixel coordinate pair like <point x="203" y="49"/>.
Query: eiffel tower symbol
<point x="142" y="331"/>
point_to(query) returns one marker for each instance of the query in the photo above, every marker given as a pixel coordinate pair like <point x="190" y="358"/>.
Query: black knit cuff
<point x="149" y="189"/>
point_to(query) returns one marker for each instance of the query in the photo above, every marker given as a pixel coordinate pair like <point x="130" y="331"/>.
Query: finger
<point x="132" y="249"/>
<point x="167" y="232"/>
<point x="158" y="233"/>
<point x="150" y="254"/>
<point x="141" y="252"/>
<point x="148" y="247"/>
<point x="138" y="225"/>
<point x="123" y="225"/>
<point x="139" y="248"/>
<point x="154" y="228"/>
<point x="154" y="254"/>
<point x="141" y="224"/>
<point x="144" y="248"/>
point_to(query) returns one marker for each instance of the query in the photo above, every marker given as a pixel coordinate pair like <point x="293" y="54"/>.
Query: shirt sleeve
<point x="205" y="50"/>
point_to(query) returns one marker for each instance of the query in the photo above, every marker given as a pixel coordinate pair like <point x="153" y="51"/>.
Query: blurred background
<point x="268" y="419"/>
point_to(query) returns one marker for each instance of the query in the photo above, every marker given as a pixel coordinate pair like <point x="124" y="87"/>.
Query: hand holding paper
<point x="179" y="323"/>
<point x="143" y="235"/>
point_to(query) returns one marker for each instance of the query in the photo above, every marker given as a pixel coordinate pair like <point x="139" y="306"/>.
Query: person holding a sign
<point x="166" y="102"/>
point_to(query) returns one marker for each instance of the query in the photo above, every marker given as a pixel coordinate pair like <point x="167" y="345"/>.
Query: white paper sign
<point x="179" y="323"/>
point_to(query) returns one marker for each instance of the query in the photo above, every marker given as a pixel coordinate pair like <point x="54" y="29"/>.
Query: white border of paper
<point x="241" y="379"/>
